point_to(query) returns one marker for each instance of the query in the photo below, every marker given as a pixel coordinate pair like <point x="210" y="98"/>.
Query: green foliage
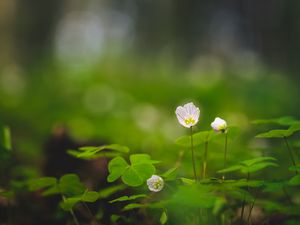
<point x="170" y="174"/>
<point x="91" y="152"/>
<point x="251" y="166"/>
<point x="185" y="196"/>
<point x="163" y="218"/>
<point x="5" y="138"/>
<point x="201" y="137"/>
<point x="140" y="169"/>
<point x="286" y="120"/>
<point x="127" y="198"/>
<point x="280" y="133"/>
<point x="294" y="181"/>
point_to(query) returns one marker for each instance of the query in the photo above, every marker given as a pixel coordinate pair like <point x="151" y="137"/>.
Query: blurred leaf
<point x="114" y="218"/>
<point x="295" y="180"/>
<point x="231" y="169"/>
<point x="199" y="196"/>
<point x="70" y="185"/>
<point x="187" y="181"/>
<point x="163" y="218"/>
<point x="251" y="166"/>
<point x="245" y="183"/>
<point x="257" y="167"/>
<point x="91" y="152"/>
<point x="69" y="203"/>
<point x="250" y="162"/>
<point x="294" y="168"/>
<point x="136" y="159"/>
<point x="90" y="196"/>
<point x="198" y="139"/>
<point x="127" y="198"/>
<point x="133" y="206"/>
<point x="106" y="192"/>
<point x="273" y="186"/>
<point x="5" y="138"/>
<point x="43" y="182"/>
<point x="170" y="174"/>
<point x="286" y="120"/>
<point x="275" y="134"/>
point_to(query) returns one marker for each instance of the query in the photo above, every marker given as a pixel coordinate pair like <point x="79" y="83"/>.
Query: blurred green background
<point x="115" y="71"/>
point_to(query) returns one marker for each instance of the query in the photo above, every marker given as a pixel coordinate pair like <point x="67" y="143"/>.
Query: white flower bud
<point x="219" y="125"/>
<point x="155" y="183"/>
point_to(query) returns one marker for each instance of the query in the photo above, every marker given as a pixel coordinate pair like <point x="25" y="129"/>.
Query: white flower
<point x="219" y="125"/>
<point x="155" y="183"/>
<point x="188" y="115"/>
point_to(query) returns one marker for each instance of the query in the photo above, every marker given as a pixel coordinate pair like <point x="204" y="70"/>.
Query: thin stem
<point x="287" y="195"/>
<point x="244" y="201"/>
<point x="205" y="159"/>
<point x="72" y="212"/>
<point x="193" y="155"/>
<point x="249" y="216"/>
<point x="290" y="152"/>
<point x="90" y="212"/>
<point x="225" y="154"/>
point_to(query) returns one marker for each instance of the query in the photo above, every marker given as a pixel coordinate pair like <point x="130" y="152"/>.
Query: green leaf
<point x="69" y="203"/>
<point x="136" y="159"/>
<point x="90" y="196"/>
<point x="70" y="185"/>
<point x="257" y="160"/>
<point x="231" y="169"/>
<point x="116" y="168"/>
<point x="286" y="120"/>
<point x="104" y="193"/>
<point x="90" y="152"/>
<point x="5" y="138"/>
<point x="127" y="198"/>
<point x="198" y="139"/>
<point x="274" y="187"/>
<point x="43" y="182"/>
<point x="54" y="190"/>
<point x="295" y="180"/>
<point x="295" y="168"/>
<point x="275" y="134"/>
<point x="198" y="196"/>
<point x="170" y="174"/>
<point x="245" y="183"/>
<point x="133" y="206"/>
<point x="136" y="174"/>
<point x="295" y="127"/>
<point x="257" y="167"/>
<point x="163" y="218"/>
<point x="187" y="181"/>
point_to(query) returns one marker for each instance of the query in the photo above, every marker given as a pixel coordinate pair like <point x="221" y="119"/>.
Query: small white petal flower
<point x="155" y="183"/>
<point x="188" y="115"/>
<point x="219" y="125"/>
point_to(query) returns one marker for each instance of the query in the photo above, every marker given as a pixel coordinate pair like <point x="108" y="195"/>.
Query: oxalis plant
<point x="180" y="194"/>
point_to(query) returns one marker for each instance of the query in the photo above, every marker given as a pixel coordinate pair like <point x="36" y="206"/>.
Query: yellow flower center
<point x="189" y="121"/>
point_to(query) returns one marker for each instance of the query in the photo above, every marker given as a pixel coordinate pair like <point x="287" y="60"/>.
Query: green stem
<point x="249" y="216"/>
<point x="193" y="155"/>
<point x="72" y="212"/>
<point x="205" y="159"/>
<point x="225" y="154"/>
<point x="244" y="201"/>
<point x="290" y="152"/>
<point x="90" y="213"/>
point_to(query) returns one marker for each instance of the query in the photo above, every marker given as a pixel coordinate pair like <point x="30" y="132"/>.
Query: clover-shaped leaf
<point x="140" y="168"/>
